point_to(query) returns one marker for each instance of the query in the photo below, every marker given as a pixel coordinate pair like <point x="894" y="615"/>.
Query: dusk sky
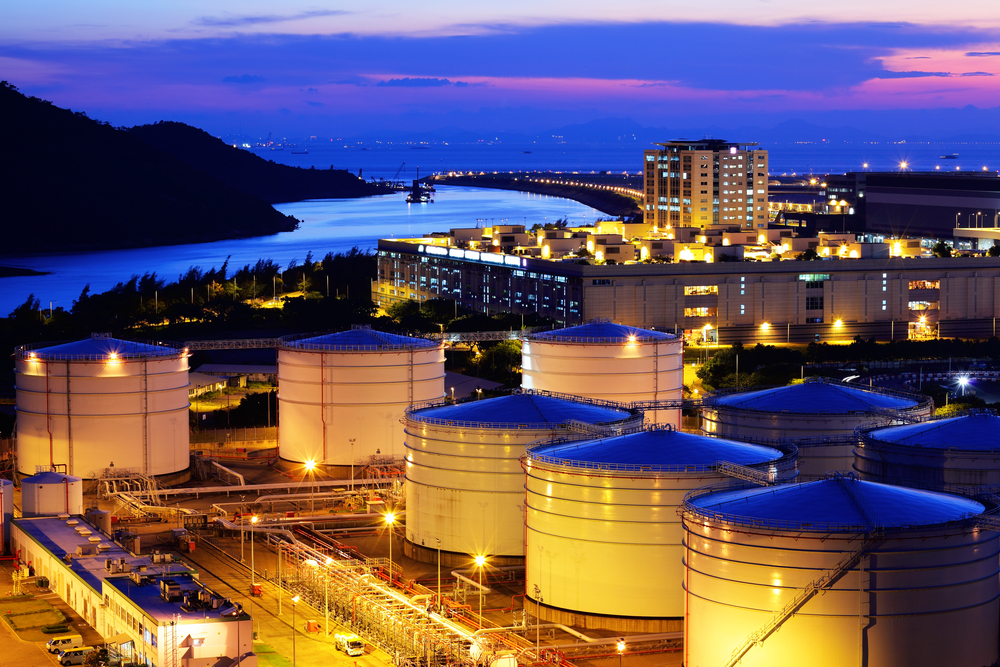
<point x="518" y="66"/>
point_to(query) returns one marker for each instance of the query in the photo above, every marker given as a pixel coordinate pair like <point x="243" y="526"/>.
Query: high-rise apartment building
<point x="701" y="183"/>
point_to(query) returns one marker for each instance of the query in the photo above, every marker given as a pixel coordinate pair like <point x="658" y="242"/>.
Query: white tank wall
<point x="95" y="411"/>
<point x="465" y="487"/>
<point x="640" y="371"/>
<point x="932" y="600"/>
<point x="877" y="460"/>
<point x="7" y="499"/>
<point x="49" y="498"/>
<point x="361" y="395"/>
<point x="598" y="542"/>
<point x="815" y="457"/>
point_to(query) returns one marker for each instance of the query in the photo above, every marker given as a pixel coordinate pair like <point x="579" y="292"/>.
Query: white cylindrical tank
<point x="902" y="577"/>
<point x="51" y="493"/>
<point x="963" y="450"/>
<point x="610" y="362"/>
<point x="6" y="513"/>
<point x="603" y="536"/>
<point x="818" y="416"/>
<point x="341" y="395"/>
<point x="100" y="403"/>
<point x="464" y="483"/>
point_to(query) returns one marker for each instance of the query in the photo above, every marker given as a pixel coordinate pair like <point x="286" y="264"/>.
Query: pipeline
<point x="235" y="474"/>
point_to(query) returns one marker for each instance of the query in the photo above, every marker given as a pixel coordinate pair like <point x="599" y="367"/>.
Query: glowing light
<point x="480" y="561"/>
<point x="599" y="256"/>
<point x="761" y="238"/>
<point x="963" y="380"/>
<point x="686" y="254"/>
<point x="295" y="600"/>
<point x="904" y="164"/>
<point x="621" y="645"/>
<point x="923" y="319"/>
<point x="390" y="518"/>
<point x="631" y="339"/>
<point x="709" y="257"/>
<point x="725" y="241"/>
<point x="644" y="253"/>
<point x="854" y="254"/>
<point x="765" y="326"/>
<point x="897" y="248"/>
<point x="312" y="562"/>
<point x="546" y="252"/>
<point x="310" y="465"/>
<point x="254" y="519"/>
<point x="826" y="251"/>
<point x="839" y="323"/>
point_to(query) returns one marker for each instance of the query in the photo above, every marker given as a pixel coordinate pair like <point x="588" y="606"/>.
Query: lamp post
<point x="295" y="601"/>
<point x="310" y="467"/>
<point x="390" y="519"/>
<point x="480" y="562"/>
<point x="621" y="650"/>
<point x="352" y="463"/>
<point x="253" y="572"/>
<point x="439" y="571"/>
<point x="242" y="532"/>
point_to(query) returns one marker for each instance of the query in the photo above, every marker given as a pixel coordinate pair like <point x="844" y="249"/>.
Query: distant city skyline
<point x="514" y="67"/>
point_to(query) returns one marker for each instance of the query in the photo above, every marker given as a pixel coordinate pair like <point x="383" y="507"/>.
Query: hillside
<point x="250" y="173"/>
<point x="72" y="183"/>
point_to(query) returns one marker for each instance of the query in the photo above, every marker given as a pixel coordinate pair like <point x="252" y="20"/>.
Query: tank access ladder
<point x="806" y="594"/>
<point x="850" y="560"/>
<point x="743" y="472"/>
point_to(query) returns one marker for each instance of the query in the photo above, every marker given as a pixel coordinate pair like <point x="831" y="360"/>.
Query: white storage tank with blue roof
<point x="352" y="386"/>
<point x="819" y="416"/>
<point x="608" y="361"/>
<point x="464" y="483"/>
<point x="6" y="512"/>
<point x="603" y="536"/>
<point x="51" y="493"/>
<point x="102" y="402"/>
<point x="876" y="575"/>
<point x="963" y="450"/>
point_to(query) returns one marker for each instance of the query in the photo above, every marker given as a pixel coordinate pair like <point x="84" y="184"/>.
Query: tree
<point x="941" y="249"/>
<point x="807" y="255"/>
<point x="994" y="251"/>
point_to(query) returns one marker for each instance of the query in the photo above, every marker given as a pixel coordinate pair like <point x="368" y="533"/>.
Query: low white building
<point x="150" y="609"/>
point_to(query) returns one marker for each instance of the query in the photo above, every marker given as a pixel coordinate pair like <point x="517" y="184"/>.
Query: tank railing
<point x="863" y="431"/>
<point x="849" y="483"/>
<point x="667" y="404"/>
<point x="737" y="471"/>
<point x="812" y="589"/>
<point x="529" y="459"/>
<point x="35" y="351"/>
<point x="555" y="337"/>
<point x="798" y="443"/>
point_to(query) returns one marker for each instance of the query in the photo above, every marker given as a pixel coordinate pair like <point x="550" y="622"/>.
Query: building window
<point x="742" y="309"/>
<point x="814" y="320"/>
<point x="814" y="303"/>
<point x="925" y="284"/>
<point x="883" y="304"/>
<point x="924" y="305"/>
<point x="699" y="290"/>
<point x="701" y="312"/>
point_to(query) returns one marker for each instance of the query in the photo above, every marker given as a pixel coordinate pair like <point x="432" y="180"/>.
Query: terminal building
<point x="769" y="302"/>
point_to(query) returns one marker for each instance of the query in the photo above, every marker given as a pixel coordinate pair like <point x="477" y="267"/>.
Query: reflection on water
<point x="327" y="226"/>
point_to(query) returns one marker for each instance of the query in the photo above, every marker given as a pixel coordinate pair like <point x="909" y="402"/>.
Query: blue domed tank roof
<point x="49" y="478"/>
<point x="530" y="410"/>
<point x="974" y="431"/>
<point x="659" y="448"/>
<point x="814" y="398"/>
<point x="836" y="504"/>
<point x="359" y="339"/>
<point x="101" y="348"/>
<point x="600" y="331"/>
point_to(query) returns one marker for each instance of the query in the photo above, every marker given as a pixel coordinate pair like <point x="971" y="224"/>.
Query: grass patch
<point x="268" y="657"/>
<point x="38" y="619"/>
<point x="27" y="616"/>
<point x="22" y="605"/>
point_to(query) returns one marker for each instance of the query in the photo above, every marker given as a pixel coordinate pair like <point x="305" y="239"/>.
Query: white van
<point x="74" y="656"/>
<point x="62" y="642"/>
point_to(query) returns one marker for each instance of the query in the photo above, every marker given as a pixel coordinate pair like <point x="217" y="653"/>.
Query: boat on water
<point x="953" y="156"/>
<point x="300" y="151"/>
<point x="419" y="194"/>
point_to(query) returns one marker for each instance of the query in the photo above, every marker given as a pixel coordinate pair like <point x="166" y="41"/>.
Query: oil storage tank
<point x="6" y="513"/>
<point x="341" y="395"/>
<point x="962" y="450"/>
<point x="608" y="361"/>
<point x="819" y="416"/>
<point x="51" y="493"/>
<point x="464" y="483"/>
<point x="838" y="571"/>
<point x="603" y="539"/>
<point x="102" y="402"/>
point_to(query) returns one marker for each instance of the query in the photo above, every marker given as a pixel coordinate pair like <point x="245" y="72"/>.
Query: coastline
<point x="16" y="271"/>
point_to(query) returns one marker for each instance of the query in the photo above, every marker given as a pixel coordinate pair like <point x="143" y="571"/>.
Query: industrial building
<point x="611" y="362"/>
<point x="959" y="450"/>
<point x="594" y="503"/>
<point x="103" y="403"/>
<point x="839" y="572"/>
<point x="464" y="483"/>
<point x="767" y="302"/>
<point x="150" y="609"/>
<point x="341" y="395"/>
<point x="819" y="416"/>
<point x="701" y="183"/>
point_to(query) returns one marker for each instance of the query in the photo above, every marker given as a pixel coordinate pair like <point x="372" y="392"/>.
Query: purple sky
<point x="353" y="67"/>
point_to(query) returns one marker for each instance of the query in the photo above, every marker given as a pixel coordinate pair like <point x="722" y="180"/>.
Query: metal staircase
<point x="746" y="474"/>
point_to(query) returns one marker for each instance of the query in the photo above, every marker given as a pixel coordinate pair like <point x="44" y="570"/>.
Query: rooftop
<point x="659" y="448"/>
<point x="601" y="331"/>
<point x="100" y="348"/>
<point x="526" y="410"/>
<point x="50" y="477"/>
<point x="814" y="398"/>
<point x="147" y="597"/>
<point x="976" y="431"/>
<point x="356" y="340"/>
<point x="836" y="503"/>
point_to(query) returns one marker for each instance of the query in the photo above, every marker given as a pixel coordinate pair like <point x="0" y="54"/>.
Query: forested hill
<point x="248" y="172"/>
<point x="72" y="183"/>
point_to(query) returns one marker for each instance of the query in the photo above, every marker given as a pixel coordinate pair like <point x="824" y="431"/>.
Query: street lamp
<point x="295" y="601"/>
<point x="253" y="572"/>
<point x="962" y="382"/>
<point x="242" y="532"/>
<point x="480" y="562"/>
<point x="439" y="571"/>
<point x="390" y="519"/>
<point x="310" y="467"/>
<point x="621" y="650"/>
